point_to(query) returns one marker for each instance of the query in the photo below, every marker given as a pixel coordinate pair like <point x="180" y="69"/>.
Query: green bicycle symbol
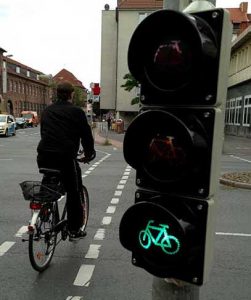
<point x="169" y="243"/>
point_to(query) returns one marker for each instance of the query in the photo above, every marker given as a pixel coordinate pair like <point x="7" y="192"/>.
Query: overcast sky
<point x="49" y="35"/>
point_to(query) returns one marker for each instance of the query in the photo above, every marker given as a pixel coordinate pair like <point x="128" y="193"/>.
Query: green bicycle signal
<point x="168" y="243"/>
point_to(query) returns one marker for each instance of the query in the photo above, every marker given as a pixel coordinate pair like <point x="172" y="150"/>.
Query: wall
<point x="108" y="60"/>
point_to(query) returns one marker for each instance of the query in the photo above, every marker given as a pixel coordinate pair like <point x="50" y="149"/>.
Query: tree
<point x="79" y="97"/>
<point x="131" y="83"/>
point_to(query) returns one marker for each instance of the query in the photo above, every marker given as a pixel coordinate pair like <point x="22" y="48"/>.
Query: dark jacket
<point x="63" y="127"/>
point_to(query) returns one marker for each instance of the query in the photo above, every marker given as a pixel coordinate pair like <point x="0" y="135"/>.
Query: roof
<point x="10" y="60"/>
<point x="237" y="16"/>
<point x="140" y="4"/>
<point x="65" y="75"/>
<point x="242" y="38"/>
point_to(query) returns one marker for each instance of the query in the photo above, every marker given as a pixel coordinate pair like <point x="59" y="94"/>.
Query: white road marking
<point x="111" y="209"/>
<point x="7" y="159"/>
<point x="87" y="172"/>
<point x="126" y="173"/>
<point x="118" y="193"/>
<point x="21" y="231"/>
<point x="237" y="157"/>
<point x="74" y="298"/>
<point x="84" y="275"/>
<point x="233" y="234"/>
<point x="115" y="201"/>
<point x="106" y="220"/>
<point x="122" y="182"/>
<point x="120" y="186"/>
<point x="5" y="247"/>
<point x="93" y="251"/>
<point x="100" y="234"/>
<point x="125" y="177"/>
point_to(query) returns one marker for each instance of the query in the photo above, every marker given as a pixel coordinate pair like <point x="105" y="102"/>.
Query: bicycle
<point x="168" y="243"/>
<point x="46" y="222"/>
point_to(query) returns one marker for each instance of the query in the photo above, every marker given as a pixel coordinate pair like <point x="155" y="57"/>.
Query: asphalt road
<point x="99" y="267"/>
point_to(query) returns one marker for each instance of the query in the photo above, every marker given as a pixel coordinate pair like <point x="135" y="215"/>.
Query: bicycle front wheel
<point x="42" y="241"/>
<point x="85" y="207"/>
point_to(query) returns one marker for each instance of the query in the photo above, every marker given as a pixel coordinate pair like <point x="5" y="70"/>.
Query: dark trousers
<point x="72" y="181"/>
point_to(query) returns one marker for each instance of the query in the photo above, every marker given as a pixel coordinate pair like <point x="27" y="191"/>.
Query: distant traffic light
<point x="95" y="89"/>
<point x="181" y="62"/>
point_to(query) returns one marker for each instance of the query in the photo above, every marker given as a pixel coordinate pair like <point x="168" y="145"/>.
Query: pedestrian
<point x="109" y="121"/>
<point x="63" y="128"/>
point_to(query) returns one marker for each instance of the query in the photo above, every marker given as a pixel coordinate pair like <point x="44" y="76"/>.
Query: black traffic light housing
<point x="171" y="54"/>
<point x="172" y="149"/>
<point x="174" y="144"/>
<point x="167" y="235"/>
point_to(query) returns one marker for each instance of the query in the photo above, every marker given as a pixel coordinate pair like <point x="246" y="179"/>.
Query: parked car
<point x="7" y="125"/>
<point x="31" y="117"/>
<point x="21" y="123"/>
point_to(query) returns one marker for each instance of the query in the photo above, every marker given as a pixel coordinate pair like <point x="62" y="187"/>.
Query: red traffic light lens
<point x="172" y="64"/>
<point x="161" y="145"/>
<point x="166" y="158"/>
<point x="170" y="50"/>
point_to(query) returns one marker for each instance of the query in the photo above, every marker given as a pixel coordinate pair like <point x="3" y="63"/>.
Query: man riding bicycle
<point x="63" y="127"/>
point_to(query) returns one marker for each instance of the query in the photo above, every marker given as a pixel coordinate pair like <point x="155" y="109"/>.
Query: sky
<point x="49" y="35"/>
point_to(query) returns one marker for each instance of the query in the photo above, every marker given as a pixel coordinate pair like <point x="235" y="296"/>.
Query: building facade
<point x="117" y="28"/>
<point x="238" y="106"/>
<point x="21" y="87"/>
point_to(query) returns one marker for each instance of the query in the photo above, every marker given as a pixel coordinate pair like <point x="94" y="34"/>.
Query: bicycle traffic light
<point x="181" y="61"/>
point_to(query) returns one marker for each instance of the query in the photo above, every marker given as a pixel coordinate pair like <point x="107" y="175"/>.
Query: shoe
<point x="76" y="235"/>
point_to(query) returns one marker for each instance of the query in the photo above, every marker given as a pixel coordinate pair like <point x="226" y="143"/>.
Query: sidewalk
<point x="114" y="138"/>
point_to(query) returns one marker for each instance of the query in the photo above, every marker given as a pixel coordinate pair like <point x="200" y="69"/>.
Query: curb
<point x="235" y="183"/>
<point x="101" y="140"/>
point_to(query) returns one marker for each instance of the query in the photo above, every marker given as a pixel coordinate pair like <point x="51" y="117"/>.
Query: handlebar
<point x="85" y="159"/>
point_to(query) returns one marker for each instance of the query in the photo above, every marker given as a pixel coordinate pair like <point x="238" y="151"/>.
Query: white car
<point x="7" y="125"/>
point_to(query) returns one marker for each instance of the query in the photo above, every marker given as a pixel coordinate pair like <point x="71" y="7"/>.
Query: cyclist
<point x="63" y="128"/>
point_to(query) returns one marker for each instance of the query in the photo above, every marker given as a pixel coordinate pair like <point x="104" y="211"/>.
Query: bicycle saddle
<point x="48" y="171"/>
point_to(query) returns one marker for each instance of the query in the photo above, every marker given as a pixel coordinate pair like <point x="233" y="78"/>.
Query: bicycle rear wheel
<point x="42" y="241"/>
<point x="85" y="206"/>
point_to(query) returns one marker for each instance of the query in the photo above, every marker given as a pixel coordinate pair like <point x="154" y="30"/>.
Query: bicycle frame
<point x="35" y="213"/>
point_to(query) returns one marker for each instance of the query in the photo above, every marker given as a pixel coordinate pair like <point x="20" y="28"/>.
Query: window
<point x="28" y="73"/>
<point x="17" y="69"/>
<point x="231" y="111"/>
<point x="247" y="111"/>
<point x="237" y="111"/>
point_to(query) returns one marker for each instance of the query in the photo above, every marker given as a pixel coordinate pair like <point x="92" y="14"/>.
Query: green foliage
<point x="79" y="97"/>
<point x="130" y="83"/>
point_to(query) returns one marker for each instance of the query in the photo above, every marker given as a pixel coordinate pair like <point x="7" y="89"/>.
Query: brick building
<point x="21" y="87"/>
